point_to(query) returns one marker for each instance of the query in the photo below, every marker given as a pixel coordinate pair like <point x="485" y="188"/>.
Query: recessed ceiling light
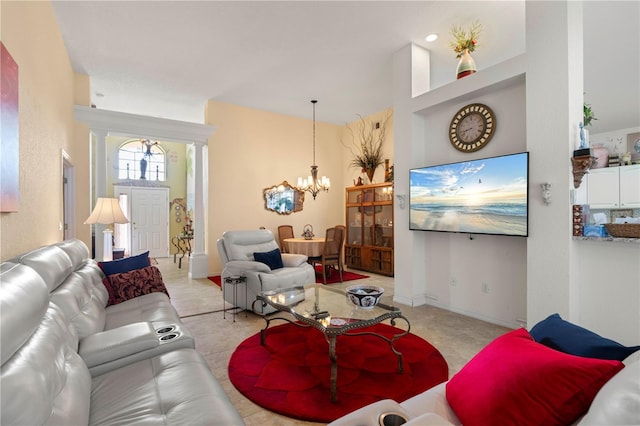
<point x="99" y="95"/>
<point x="431" y="37"/>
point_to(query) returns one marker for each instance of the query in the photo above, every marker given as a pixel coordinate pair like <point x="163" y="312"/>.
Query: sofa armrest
<point x="433" y="400"/>
<point x="111" y="349"/>
<point x="428" y="419"/>
<point x="238" y="267"/>
<point x="117" y="343"/>
<point x="292" y="260"/>
<point x="370" y="414"/>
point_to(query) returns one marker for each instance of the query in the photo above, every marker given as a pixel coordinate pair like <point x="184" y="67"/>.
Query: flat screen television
<point x="485" y="196"/>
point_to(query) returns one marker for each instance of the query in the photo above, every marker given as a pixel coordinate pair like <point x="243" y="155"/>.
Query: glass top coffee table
<point x="329" y="310"/>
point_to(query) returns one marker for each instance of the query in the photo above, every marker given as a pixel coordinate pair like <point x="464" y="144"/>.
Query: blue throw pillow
<point x="126" y="264"/>
<point x="273" y="258"/>
<point x="566" y="337"/>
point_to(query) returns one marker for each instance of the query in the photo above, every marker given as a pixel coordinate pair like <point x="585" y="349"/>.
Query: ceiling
<point x="167" y="58"/>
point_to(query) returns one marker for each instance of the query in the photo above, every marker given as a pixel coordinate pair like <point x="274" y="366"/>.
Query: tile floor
<point x="200" y="304"/>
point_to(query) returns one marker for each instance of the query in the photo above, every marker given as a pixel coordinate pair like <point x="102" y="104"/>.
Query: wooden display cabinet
<point x="369" y="222"/>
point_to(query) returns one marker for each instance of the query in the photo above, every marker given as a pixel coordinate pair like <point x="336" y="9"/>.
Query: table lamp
<point x="107" y="211"/>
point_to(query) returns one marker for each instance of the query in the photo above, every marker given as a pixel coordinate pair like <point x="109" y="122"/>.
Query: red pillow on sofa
<point x="127" y="285"/>
<point x="515" y="380"/>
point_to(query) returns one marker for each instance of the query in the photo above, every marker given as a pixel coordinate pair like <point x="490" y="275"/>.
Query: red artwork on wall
<point x="9" y="146"/>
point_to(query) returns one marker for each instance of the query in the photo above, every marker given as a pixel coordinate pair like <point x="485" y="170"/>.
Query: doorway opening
<point x="68" y="197"/>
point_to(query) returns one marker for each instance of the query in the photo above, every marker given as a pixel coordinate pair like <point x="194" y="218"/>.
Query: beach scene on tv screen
<point x="487" y="196"/>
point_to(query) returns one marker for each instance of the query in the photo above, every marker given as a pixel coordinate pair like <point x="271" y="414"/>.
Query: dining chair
<point x="284" y="231"/>
<point x="332" y="252"/>
<point x="344" y="237"/>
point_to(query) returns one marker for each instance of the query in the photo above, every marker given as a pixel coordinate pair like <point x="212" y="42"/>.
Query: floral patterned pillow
<point x="127" y="285"/>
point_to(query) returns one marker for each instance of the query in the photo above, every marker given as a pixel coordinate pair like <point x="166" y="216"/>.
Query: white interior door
<point x="150" y="221"/>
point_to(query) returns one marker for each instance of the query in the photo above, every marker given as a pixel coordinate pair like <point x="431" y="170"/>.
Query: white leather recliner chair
<point x="236" y="250"/>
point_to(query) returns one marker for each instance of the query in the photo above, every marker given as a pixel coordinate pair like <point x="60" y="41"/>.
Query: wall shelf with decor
<point x="369" y="221"/>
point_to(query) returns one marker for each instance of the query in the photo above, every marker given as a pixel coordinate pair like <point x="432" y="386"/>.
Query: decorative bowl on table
<point x="364" y="296"/>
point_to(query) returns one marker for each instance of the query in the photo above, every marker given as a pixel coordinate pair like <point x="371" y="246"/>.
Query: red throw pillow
<point x="517" y="381"/>
<point x="127" y="285"/>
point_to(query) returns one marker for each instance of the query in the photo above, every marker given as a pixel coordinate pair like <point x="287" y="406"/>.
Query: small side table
<point x="235" y="281"/>
<point x="183" y="244"/>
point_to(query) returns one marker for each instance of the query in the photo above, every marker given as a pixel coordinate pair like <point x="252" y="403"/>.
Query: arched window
<point x="141" y="159"/>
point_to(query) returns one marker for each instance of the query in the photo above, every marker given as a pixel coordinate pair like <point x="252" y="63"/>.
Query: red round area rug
<point x="290" y="374"/>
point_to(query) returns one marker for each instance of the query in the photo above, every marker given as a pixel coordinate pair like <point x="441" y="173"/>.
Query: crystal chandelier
<point x="312" y="184"/>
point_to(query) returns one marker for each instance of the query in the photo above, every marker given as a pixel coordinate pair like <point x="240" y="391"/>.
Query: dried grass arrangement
<point x="367" y="140"/>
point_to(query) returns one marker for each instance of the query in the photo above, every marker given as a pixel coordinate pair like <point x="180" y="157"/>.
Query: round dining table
<point x="311" y="248"/>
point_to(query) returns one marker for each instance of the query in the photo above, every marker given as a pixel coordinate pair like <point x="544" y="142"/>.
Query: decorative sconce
<point x="402" y="200"/>
<point x="546" y="192"/>
<point x="581" y="165"/>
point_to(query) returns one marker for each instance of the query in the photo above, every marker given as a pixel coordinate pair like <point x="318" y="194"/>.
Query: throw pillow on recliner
<point x="127" y="285"/>
<point x="566" y="337"/>
<point x="273" y="258"/>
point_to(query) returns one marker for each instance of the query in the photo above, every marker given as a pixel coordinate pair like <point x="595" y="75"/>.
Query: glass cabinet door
<point x="354" y="226"/>
<point x="354" y="197"/>
<point x="383" y="228"/>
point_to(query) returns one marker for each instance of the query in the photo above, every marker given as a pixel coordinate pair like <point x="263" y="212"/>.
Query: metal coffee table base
<point x="331" y="334"/>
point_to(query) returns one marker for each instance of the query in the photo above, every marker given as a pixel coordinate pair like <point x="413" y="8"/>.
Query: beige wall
<point x="80" y="157"/>
<point x="46" y="98"/>
<point x="251" y="150"/>
<point x="254" y="149"/>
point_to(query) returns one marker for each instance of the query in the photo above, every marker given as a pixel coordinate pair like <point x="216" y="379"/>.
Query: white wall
<point x="449" y="270"/>
<point x="595" y="284"/>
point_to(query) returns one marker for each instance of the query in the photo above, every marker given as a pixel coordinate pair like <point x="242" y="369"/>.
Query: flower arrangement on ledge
<point x="465" y="40"/>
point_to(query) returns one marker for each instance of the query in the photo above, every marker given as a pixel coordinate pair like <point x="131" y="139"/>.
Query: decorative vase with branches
<point x="367" y="141"/>
<point x="464" y="42"/>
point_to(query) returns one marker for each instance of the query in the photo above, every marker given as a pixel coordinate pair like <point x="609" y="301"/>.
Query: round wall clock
<point x="472" y="127"/>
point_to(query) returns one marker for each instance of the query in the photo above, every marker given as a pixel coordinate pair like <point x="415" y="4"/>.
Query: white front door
<point x="150" y="221"/>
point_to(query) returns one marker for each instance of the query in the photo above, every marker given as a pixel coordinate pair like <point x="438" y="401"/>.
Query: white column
<point x="199" y="261"/>
<point x="554" y="109"/>
<point x="410" y="78"/>
<point x="100" y="186"/>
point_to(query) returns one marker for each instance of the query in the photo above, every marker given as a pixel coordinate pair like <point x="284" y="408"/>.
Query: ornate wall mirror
<point x="283" y="198"/>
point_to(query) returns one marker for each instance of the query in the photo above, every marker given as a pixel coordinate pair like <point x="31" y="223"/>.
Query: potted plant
<point x="587" y="114"/>
<point x="587" y="118"/>
<point x="366" y="145"/>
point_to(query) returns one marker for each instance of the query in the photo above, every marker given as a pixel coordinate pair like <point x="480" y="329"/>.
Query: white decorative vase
<point x="466" y="66"/>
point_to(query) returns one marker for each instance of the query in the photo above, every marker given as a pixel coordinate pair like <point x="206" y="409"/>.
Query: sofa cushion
<point x="125" y="264"/>
<point x="618" y="402"/>
<point x="575" y="340"/>
<point x="136" y="283"/>
<point x="273" y="258"/>
<point x="175" y="388"/>
<point x="154" y="307"/>
<point x="80" y="303"/>
<point x="515" y="380"/>
<point x="46" y="381"/>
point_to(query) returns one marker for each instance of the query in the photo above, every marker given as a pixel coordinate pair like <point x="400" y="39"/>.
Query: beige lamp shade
<point x="107" y="211"/>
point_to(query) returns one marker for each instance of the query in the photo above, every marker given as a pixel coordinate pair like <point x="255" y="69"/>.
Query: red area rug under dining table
<point x="332" y="278"/>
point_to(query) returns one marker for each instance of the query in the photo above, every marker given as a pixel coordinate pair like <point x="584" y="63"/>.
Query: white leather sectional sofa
<point x="68" y="359"/>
